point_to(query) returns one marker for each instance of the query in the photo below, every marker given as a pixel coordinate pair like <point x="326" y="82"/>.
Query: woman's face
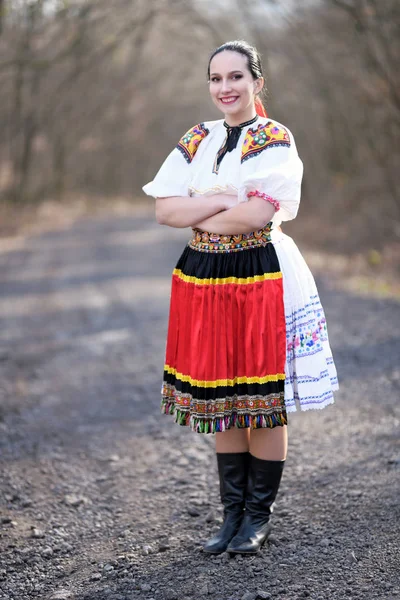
<point x="232" y="86"/>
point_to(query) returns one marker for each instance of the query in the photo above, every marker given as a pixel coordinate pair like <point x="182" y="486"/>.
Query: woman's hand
<point x="228" y="200"/>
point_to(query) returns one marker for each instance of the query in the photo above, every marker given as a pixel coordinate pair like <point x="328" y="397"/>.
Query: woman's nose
<point x="226" y="86"/>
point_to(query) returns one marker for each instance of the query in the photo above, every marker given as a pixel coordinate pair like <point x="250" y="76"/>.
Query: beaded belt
<point x="204" y="241"/>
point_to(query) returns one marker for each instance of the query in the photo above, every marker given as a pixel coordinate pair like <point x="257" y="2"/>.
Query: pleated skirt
<point x="231" y="343"/>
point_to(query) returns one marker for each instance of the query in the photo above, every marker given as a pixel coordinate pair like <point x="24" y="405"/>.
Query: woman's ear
<point x="258" y="85"/>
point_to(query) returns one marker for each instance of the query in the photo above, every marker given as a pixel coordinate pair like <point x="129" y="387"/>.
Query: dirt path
<point x="102" y="497"/>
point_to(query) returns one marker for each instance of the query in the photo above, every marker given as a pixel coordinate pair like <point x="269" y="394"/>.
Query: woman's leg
<point x="233" y="440"/>
<point x="269" y="444"/>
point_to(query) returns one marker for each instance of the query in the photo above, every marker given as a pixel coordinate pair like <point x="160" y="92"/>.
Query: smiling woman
<point x="233" y="91"/>
<point x="247" y="338"/>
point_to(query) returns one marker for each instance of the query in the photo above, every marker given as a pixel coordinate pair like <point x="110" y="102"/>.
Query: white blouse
<point x="264" y="160"/>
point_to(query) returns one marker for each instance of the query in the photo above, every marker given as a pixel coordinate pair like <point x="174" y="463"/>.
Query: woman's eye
<point x="216" y="79"/>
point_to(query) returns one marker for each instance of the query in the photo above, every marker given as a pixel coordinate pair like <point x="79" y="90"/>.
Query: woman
<point x="247" y="339"/>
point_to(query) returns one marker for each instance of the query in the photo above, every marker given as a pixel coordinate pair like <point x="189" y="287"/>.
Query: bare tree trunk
<point x="25" y="128"/>
<point x="374" y="45"/>
<point x="59" y="159"/>
<point x="16" y="121"/>
<point x="380" y="54"/>
<point x="29" y="132"/>
<point x="2" y="13"/>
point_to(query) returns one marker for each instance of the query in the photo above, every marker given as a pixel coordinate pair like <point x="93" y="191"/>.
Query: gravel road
<point x="102" y="497"/>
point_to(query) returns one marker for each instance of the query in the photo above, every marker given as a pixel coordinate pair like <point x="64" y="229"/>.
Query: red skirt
<point x="226" y="344"/>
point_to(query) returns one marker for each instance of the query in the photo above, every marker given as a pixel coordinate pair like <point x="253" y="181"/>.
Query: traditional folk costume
<point x="247" y="338"/>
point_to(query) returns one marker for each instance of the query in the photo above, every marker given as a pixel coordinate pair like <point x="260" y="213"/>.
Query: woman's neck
<point x="234" y="120"/>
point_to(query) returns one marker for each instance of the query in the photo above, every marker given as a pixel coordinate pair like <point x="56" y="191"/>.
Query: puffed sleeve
<point x="277" y="173"/>
<point x="174" y="175"/>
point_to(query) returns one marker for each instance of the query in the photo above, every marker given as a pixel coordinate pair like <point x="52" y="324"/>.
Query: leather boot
<point x="263" y="483"/>
<point x="232" y="471"/>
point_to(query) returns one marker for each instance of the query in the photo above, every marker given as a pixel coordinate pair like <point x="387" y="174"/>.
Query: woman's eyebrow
<point x="230" y="72"/>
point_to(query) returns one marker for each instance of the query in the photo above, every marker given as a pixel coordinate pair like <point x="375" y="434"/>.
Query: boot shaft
<point x="263" y="483"/>
<point x="233" y="479"/>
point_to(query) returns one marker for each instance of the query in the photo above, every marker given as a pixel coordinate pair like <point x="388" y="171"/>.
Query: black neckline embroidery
<point x="232" y="137"/>
<point x="253" y="120"/>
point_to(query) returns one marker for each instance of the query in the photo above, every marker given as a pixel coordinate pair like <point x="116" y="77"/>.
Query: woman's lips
<point x="229" y="99"/>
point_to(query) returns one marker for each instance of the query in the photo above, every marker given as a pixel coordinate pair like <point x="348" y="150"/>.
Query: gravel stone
<point x="75" y="500"/>
<point x="164" y="547"/>
<point x="193" y="511"/>
<point x="110" y="485"/>
<point x="203" y="590"/>
<point x="5" y="520"/>
<point x="249" y="596"/>
<point x="210" y="516"/>
<point x="273" y="539"/>
<point x="62" y="595"/>
<point x="37" y="533"/>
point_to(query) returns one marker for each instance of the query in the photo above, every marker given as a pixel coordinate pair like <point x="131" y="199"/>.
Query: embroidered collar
<point x="253" y="120"/>
<point x="231" y="140"/>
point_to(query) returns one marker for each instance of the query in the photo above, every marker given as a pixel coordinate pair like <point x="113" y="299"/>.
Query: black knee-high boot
<point x="262" y="487"/>
<point x="232" y="471"/>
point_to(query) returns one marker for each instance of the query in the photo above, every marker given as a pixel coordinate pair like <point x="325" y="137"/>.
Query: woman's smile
<point x="229" y="99"/>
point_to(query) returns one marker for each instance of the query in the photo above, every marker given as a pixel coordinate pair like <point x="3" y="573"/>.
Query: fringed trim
<point x="167" y="406"/>
<point x="217" y="424"/>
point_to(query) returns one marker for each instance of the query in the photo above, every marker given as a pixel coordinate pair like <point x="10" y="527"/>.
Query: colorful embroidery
<point x="265" y="197"/>
<point x="306" y="339"/>
<point x="232" y="137"/>
<point x="190" y="142"/>
<point x="264" y="136"/>
<point x="244" y="410"/>
<point x="204" y="241"/>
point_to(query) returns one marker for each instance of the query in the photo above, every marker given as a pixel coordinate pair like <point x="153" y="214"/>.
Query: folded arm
<point x="184" y="211"/>
<point x="242" y="218"/>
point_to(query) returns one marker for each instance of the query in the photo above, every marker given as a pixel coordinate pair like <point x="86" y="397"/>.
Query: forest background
<point x="95" y="93"/>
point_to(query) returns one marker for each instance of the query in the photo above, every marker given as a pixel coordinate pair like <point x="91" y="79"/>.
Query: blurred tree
<point x="2" y="9"/>
<point x="377" y="39"/>
<point x="94" y="93"/>
<point x="334" y="83"/>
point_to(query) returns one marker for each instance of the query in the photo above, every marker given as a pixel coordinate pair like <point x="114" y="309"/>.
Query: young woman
<point x="247" y="338"/>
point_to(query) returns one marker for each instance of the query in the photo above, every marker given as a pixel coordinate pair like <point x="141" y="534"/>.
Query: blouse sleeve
<point x="278" y="175"/>
<point x="174" y="175"/>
